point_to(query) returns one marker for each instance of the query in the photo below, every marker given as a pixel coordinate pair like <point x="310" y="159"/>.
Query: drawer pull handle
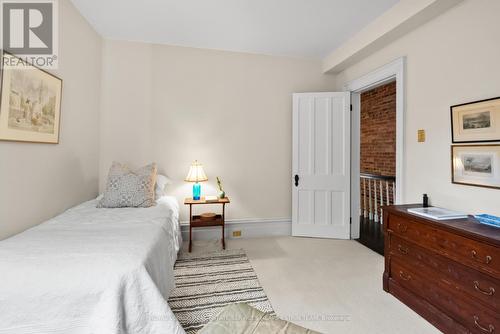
<point x="490" y="329"/>
<point x="487" y="258"/>
<point x="404" y="276"/>
<point x="402" y="228"/>
<point x="402" y="249"/>
<point x="490" y="292"/>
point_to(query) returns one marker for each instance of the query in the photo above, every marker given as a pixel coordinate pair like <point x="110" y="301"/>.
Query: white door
<point x="321" y="165"/>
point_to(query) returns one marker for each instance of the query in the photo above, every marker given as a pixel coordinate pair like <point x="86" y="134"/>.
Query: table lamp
<point x="196" y="174"/>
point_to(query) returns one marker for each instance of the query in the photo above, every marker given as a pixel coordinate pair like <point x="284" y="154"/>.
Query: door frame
<point x="393" y="71"/>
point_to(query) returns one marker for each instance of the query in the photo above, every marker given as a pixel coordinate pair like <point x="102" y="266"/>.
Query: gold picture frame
<point x="476" y="165"/>
<point x="30" y="102"/>
<point x="475" y="122"/>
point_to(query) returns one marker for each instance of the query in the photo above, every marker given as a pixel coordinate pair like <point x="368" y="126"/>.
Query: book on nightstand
<point x="211" y="199"/>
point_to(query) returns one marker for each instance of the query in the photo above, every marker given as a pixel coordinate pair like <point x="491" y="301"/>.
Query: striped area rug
<point x="205" y="283"/>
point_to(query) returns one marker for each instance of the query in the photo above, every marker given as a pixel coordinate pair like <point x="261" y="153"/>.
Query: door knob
<point x="296" y="180"/>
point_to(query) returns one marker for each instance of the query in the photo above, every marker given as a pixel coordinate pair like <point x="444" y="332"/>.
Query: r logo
<point x="28" y="27"/>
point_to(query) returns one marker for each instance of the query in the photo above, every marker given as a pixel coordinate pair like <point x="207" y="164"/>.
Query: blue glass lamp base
<point x="196" y="191"/>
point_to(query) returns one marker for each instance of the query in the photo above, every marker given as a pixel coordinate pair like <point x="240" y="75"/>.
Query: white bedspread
<point x="92" y="271"/>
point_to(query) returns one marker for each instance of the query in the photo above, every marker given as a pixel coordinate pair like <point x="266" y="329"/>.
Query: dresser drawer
<point x="477" y="255"/>
<point x="465" y="279"/>
<point x="474" y="316"/>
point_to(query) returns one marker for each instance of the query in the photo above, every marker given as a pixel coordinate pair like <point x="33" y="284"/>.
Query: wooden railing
<point x="376" y="191"/>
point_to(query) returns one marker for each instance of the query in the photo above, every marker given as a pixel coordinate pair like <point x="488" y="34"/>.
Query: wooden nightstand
<point x="196" y="221"/>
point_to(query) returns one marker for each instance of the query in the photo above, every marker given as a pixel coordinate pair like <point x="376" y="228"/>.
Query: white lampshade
<point x="196" y="173"/>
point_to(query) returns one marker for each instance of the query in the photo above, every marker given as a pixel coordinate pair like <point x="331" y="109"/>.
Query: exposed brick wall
<point x="378" y="130"/>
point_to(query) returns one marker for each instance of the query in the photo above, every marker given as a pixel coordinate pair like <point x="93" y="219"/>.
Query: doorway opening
<point x="377" y="161"/>
<point x="377" y="149"/>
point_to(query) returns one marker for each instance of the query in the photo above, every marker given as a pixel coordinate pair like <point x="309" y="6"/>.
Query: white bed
<point x="89" y="270"/>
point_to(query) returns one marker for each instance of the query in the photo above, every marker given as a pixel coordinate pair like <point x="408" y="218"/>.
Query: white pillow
<point x="161" y="183"/>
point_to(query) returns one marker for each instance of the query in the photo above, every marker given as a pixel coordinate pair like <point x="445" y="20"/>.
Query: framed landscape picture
<point x="30" y="102"/>
<point x="476" y="165"/>
<point x="476" y="121"/>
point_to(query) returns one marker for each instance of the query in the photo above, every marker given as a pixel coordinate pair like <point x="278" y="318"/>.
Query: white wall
<point x="38" y="181"/>
<point x="125" y="105"/>
<point x="231" y="111"/>
<point x="452" y="59"/>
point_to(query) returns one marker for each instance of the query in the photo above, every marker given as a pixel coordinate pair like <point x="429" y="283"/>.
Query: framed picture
<point x="476" y="165"/>
<point x="477" y="121"/>
<point x="30" y="102"/>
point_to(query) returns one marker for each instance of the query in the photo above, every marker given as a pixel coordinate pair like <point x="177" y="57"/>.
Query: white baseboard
<point x="250" y="228"/>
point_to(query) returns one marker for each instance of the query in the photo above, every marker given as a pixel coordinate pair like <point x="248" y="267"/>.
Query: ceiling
<point x="297" y="28"/>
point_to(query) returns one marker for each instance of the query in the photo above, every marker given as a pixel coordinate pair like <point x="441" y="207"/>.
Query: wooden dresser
<point x="446" y="271"/>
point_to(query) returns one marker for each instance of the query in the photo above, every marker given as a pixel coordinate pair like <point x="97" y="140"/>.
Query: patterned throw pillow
<point x="127" y="188"/>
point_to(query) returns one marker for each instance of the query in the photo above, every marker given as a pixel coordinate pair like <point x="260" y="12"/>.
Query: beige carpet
<point x="331" y="286"/>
